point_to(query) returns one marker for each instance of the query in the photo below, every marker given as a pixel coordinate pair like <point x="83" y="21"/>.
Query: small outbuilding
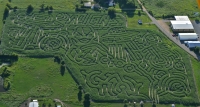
<point x="34" y="104"/>
<point x="182" y="18"/>
<point x="87" y="4"/>
<point x="193" y="44"/>
<point x="188" y="36"/>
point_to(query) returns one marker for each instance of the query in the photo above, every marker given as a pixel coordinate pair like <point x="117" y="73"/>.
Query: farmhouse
<point x="193" y="44"/>
<point x="87" y="4"/>
<point x="182" y="24"/>
<point x="34" y="104"/>
<point x="188" y="36"/>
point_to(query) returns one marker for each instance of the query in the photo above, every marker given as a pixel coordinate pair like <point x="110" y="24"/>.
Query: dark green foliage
<point x="6" y="13"/>
<point x="9" y="6"/>
<point x="151" y="13"/>
<point x="29" y="9"/>
<point x="130" y="3"/>
<point x="86" y="101"/>
<point x="139" y="13"/>
<point x="160" y="4"/>
<point x="80" y="95"/>
<point x="15" y="8"/>
<point x="42" y="7"/>
<point x="112" y="12"/>
<point x="62" y="70"/>
<point x="6" y="73"/>
<point x="6" y="84"/>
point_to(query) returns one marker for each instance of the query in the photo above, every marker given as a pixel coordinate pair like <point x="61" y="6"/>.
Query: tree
<point x="112" y="12"/>
<point x="9" y="6"/>
<point x="15" y="8"/>
<point x="125" y="101"/>
<point x="151" y="13"/>
<point x="86" y="101"/>
<point x="62" y="70"/>
<point x="139" y="13"/>
<point x="6" y="13"/>
<point x="130" y="3"/>
<point x="42" y="7"/>
<point x="50" y="8"/>
<point x="29" y="9"/>
<point x="6" y="84"/>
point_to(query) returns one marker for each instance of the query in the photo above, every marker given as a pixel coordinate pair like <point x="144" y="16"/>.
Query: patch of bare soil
<point x="164" y="25"/>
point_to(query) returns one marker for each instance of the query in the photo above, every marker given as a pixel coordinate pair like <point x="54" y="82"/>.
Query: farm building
<point x="187" y="36"/>
<point x="182" y="24"/>
<point x="193" y="44"/>
<point x="34" y="104"/>
<point x="87" y="4"/>
<point x="182" y="18"/>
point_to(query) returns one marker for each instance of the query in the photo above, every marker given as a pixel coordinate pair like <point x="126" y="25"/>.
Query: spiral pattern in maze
<point x="107" y="59"/>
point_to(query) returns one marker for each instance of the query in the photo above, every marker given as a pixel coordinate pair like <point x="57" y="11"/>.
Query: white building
<point x="87" y="4"/>
<point x="182" y="24"/>
<point x="182" y="18"/>
<point x="34" y="104"/>
<point x="193" y="44"/>
<point x="187" y="36"/>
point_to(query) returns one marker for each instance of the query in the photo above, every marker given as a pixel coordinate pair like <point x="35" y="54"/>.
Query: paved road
<point x="169" y="35"/>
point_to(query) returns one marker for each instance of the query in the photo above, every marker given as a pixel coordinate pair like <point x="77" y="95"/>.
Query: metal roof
<point x="192" y="44"/>
<point x="181" y="24"/>
<point x="33" y="104"/>
<point x="188" y="36"/>
<point x="87" y="4"/>
<point x="182" y="18"/>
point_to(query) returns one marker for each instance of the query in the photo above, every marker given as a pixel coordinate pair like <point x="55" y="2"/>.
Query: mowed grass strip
<point x="196" y="70"/>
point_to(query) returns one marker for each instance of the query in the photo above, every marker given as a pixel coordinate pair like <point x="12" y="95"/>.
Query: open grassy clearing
<point x="39" y="78"/>
<point x="108" y="60"/>
<point x="171" y="7"/>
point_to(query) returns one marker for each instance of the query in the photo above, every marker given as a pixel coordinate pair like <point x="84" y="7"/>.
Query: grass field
<point x="108" y="60"/>
<point x="170" y="7"/>
<point x="39" y="78"/>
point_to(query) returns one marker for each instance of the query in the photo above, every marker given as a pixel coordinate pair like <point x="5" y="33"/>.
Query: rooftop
<point x="34" y="104"/>
<point x="87" y="4"/>
<point x="181" y="24"/>
<point x="182" y="18"/>
<point x="187" y="33"/>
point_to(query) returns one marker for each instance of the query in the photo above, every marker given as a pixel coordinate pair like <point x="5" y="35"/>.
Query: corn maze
<point x="111" y="62"/>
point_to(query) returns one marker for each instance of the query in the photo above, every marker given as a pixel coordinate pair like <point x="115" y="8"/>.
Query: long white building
<point x="188" y="36"/>
<point x="193" y="44"/>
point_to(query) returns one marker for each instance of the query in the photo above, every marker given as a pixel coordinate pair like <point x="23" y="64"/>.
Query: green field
<point x="171" y="7"/>
<point x="38" y="78"/>
<point x="109" y="61"/>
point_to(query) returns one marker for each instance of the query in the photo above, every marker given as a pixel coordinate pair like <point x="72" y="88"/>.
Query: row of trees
<point x="29" y="9"/>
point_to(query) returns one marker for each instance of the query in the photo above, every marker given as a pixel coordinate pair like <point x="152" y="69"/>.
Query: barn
<point x="181" y="24"/>
<point x="188" y="36"/>
<point x="193" y="44"/>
